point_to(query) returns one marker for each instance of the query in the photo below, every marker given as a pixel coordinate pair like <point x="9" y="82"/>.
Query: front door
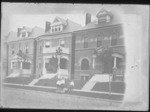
<point x="51" y="65"/>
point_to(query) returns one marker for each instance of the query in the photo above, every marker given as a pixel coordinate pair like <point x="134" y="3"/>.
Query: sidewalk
<point x="76" y="92"/>
<point x="97" y="87"/>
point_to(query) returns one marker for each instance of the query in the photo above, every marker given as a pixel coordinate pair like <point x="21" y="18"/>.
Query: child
<point x="62" y="83"/>
<point x="58" y="84"/>
<point x="71" y="85"/>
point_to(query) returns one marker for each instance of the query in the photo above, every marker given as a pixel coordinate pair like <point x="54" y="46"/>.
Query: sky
<point x="16" y="15"/>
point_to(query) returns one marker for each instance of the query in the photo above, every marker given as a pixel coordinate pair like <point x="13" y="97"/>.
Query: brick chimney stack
<point x="47" y="26"/>
<point x="88" y="18"/>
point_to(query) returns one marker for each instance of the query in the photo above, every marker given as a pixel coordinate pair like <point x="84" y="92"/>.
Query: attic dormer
<point x="103" y="16"/>
<point x="24" y="32"/>
<point x="58" y="25"/>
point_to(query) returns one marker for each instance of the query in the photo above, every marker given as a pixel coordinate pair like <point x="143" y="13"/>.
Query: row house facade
<point x="54" y="48"/>
<point x="21" y="51"/>
<point x="99" y="47"/>
<point x="68" y="50"/>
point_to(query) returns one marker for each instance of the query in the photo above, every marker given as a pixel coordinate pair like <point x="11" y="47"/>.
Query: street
<point x="21" y="98"/>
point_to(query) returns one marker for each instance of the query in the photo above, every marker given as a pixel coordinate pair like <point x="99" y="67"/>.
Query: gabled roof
<point x="35" y="32"/>
<point x="27" y="29"/>
<point x="115" y="19"/>
<point x="60" y="20"/>
<point x="70" y="27"/>
<point x="102" y="12"/>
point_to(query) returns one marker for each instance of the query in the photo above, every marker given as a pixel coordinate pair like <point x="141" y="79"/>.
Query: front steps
<point x="33" y="82"/>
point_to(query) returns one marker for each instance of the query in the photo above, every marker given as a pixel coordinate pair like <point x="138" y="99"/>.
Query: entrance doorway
<point x="51" y="65"/>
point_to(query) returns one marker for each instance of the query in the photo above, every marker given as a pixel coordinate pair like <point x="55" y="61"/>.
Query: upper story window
<point x="56" y="28"/>
<point x="20" y="46"/>
<point x="86" y="43"/>
<point x="62" y="43"/>
<point x="13" y="46"/>
<point x="40" y="49"/>
<point x="13" y="52"/>
<point x="114" y="39"/>
<point x="24" y="34"/>
<point x="99" y="41"/>
<point x="47" y="44"/>
<point x="108" y="18"/>
<point x="27" y="47"/>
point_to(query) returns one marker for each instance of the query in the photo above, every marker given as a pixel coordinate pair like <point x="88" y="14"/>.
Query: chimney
<point x="88" y="18"/>
<point x="47" y="26"/>
<point x="18" y="32"/>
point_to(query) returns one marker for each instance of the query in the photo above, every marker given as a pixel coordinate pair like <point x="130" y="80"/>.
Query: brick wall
<point x="92" y="35"/>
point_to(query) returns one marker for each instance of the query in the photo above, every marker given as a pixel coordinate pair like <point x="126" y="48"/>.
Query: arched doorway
<point x="85" y="64"/>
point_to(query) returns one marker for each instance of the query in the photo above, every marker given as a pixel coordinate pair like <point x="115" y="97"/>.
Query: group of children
<point x="61" y="85"/>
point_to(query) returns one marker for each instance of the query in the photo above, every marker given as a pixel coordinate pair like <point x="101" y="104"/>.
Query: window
<point x="85" y="42"/>
<point x="26" y="65"/>
<point x="40" y="49"/>
<point x="40" y="65"/>
<point x="47" y="44"/>
<point x="13" y="52"/>
<point x="62" y="43"/>
<point x="55" y="29"/>
<point x="107" y="19"/>
<point x="20" y="46"/>
<point x="13" y="46"/>
<point x="59" y="29"/>
<point x="113" y="42"/>
<point x="114" y="39"/>
<point x="13" y="49"/>
<point x="26" y="47"/>
<point x="99" y="41"/>
<point x="85" y="64"/>
<point x="27" y="51"/>
<point x="16" y="65"/>
<point x="63" y="63"/>
<point x="23" y="34"/>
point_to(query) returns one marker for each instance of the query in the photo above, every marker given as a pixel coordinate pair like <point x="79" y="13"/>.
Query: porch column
<point x="44" y="71"/>
<point x="21" y="65"/>
<point x="11" y="65"/>
<point x="115" y="61"/>
<point x="94" y="61"/>
<point x="58" y="63"/>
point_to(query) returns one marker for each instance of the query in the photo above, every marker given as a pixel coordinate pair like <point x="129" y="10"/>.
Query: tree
<point x="24" y="56"/>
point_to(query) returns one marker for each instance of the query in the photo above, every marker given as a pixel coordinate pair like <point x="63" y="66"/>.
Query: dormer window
<point x="107" y="19"/>
<point x="56" y="28"/>
<point x="104" y="16"/>
<point x="23" y="34"/>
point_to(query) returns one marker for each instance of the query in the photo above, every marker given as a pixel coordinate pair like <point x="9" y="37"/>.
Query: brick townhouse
<point x="21" y="51"/>
<point x="100" y="47"/>
<point x="54" y="48"/>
